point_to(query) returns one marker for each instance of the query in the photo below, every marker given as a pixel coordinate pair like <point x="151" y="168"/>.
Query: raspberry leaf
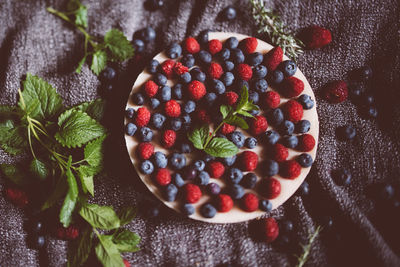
<point x="94" y="109"/>
<point x="39" y="169"/>
<point x="119" y="47"/>
<point x="126" y="241"/>
<point x="79" y="251"/>
<point x="126" y="215"/>
<point x="107" y="252"/>
<point x="12" y="137"/>
<point x="99" y="62"/>
<point x="199" y="136"/>
<point x="80" y="12"/>
<point x="93" y="152"/>
<point x="70" y="200"/>
<point x="86" y="179"/>
<point x="102" y="217"/>
<point x="221" y="147"/>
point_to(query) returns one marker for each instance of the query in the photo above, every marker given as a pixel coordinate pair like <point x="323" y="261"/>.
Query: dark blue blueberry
<point x="368" y="99"/>
<point x="288" y="67"/>
<point x="234" y="175"/>
<point x="236" y="191"/>
<point x="146" y="167"/>
<point x="203" y="178"/>
<point x="188" y="209"/>
<point x="208" y="210"/>
<point x="138" y="45"/>
<point x="186" y="120"/>
<point x="255" y="59"/>
<point x="372" y="112"/>
<point x="259" y="72"/>
<point x="210" y="98"/>
<point x="177" y="161"/>
<point x="255" y="112"/>
<point x="303" y="126"/>
<point x="39" y="242"/>
<point x="158" y="120"/>
<point x="249" y="180"/>
<point x="341" y="176"/>
<point x="37" y="227"/>
<point x="253" y="97"/>
<point x="154" y="4"/>
<point x="177" y="91"/>
<point x="146" y="134"/>
<point x="265" y="205"/>
<point x="290" y="141"/>
<point x="160" y="79"/>
<point x="276" y="77"/>
<point x="224" y="54"/>
<point x="138" y="99"/>
<point x="218" y="87"/>
<point x="202" y="38"/>
<point x="165" y="93"/>
<point x="208" y="158"/>
<point x="189" y="106"/>
<point x="270" y="167"/>
<point x="147" y="34"/>
<point x="174" y="50"/>
<point x="129" y="113"/>
<point x="153" y="65"/>
<point x="204" y="57"/>
<point x="175" y="124"/>
<point x="237" y="56"/>
<point x="154" y="103"/>
<point x="271" y="137"/>
<point x="227" y="78"/>
<point x="130" y="129"/>
<point x="260" y="86"/>
<point x="385" y="192"/>
<point x="306" y="101"/>
<point x="286" y="226"/>
<point x="305" y="160"/>
<point x="188" y="60"/>
<point x="250" y="142"/>
<point x="213" y="188"/>
<point x="229" y="13"/>
<point x="185" y="77"/>
<point x="108" y="74"/>
<point x="304" y="189"/>
<point x="228" y="65"/>
<point x="170" y="192"/>
<point x="199" y="165"/>
<point x="198" y="75"/>
<point x="275" y="117"/>
<point x="286" y="128"/>
<point x="229" y="161"/>
<point x="237" y="138"/>
<point x="231" y="43"/>
<point x="160" y="160"/>
<point x="346" y="132"/>
<point x="185" y="148"/>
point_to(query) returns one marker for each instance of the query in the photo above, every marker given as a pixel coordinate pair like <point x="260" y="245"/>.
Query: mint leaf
<point x="59" y="191"/>
<point x="93" y="152"/>
<point x="126" y="215"/>
<point x="12" y="138"/>
<point x="102" y="217"/>
<point x="250" y="106"/>
<point x="225" y="110"/>
<point x="81" y="18"/>
<point x="72" y="196"/>
<point x="39" y="99"/>
<point x="107" y="252"/>
<point x="126" y="241"/>
<point x="245" y="113"/>
<point x="120" y="48"/>
<point x="86" y="170"/>
<point x="39" y="169"/>
<point x="244" y="98"/>
<point x="80" y="65"/>
<point x="199" y="135"/>
<point x="221" y="147"/>
<point x="14" y="174"/>
<point x="237" y="121"/>
<point x="77" y="128"/>
<point x="94" y="109"/>
<point x="79" y="251"/>
<point x="99" y="62"/>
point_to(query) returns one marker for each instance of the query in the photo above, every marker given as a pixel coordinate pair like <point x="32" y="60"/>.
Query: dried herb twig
<point x="302" y="259"/>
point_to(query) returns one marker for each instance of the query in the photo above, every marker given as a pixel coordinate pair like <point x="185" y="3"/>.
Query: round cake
<point x="181" y="90"/>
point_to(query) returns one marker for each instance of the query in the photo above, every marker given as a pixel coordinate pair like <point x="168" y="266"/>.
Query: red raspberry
<point x="172" y="109"/>
<point x="191" y="45"/>
<point x="290" y="169"/>
<point x="69" y="233"/>
<point x="336" y="92"/>
<point x="279" y="152"/>
<point x="150" y="88"/>
<point x="292" y="87"/>
<point x="244" y="71"/>
<point x="203" y="116"/>
<point x="192" y="193"/>
<point x="316" y="37"/>
<point x="227" y="128"/>
<point x="224" y="203"/>
<point x="180" y="69"/>
<point x="169" y="138"/>
<point x="127" y="264"/>
<point x="248" y="161"/>
<point x="216" y="169"/>
<point x="249" y="202"/>
<point x="270" y="188"/>
<point x="214" y="46"/>
<point x="163" y="177"/>
<point x="249" y="45"/>
<point x="145" y="150"/>
<point x="270" y="229"/>
<point x="168" y="67"/>
<point x="17" y="196"/>
<point x="258" y="125"/>
<point x="230" y="98"/>
<point x="306" y="143"/>
<point x="270" y="99"/>
<point x="215" y="70"/>
<point x="142" y="117"/>
<point x="293" y="111"/>
<point x="196" y="90"/>
<point x="273" y="58"/>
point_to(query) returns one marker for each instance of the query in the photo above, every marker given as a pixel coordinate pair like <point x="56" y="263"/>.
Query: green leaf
<point x="87" y="184"/>
<point x="81" y="18"/>
<point x="79" y="251"/>
<point x="102" y="217"/>
<point x="107" y="252"/>
<point x="250" y="106"/>
<point x="237" y="121"/>
<point x="77" y="128"/>
<point x="221" y="147"/>
<point x="198" y="136"/>
<point x="244" y="98"/>
<point x="86" y="170"/>
<point x="120" y="48"/>
<point x="245" y="113"/>
<point x="126" y="215"/>
<point x="93" y="152"/>
<point x="94" y="109"/>
<point x="225" y="110"/>
<point x="99" y="62"/>
<point x="80" y="65"/>
<point x="12" y="138"/>
<point x="39" y="169"/>
<point x="14" y="174"/>
<point x="126" y="241"/>
<point x="59" y="191"/>
<point x="72" y="196"/>
<point x="39" y="99"/>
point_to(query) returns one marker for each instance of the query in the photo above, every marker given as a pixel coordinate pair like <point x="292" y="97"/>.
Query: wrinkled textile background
<point x="364" y="32"/>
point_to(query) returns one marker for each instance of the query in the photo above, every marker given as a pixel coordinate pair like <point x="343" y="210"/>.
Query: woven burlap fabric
<point x="364" y="32"/>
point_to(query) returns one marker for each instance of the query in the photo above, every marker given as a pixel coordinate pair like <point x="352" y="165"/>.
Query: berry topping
<point x="316" y="37"/>
<point x="248" y="161"/>
<point x="163" y="177"/>
<point x="290" y="169"/>
<point x="203" y="116"/>
<point x="142" y="117"/>
<point x="167" y="67"/>
<point x="192" y="193"/>
<point x="244" y="71"/>
<point x="145" y="150"/>
<point x="150" y="88"/>
<point x="180" y="69"/>
<point x="249" y="202"/>
<point x="168" y="138"/>
<point x="306" y="143"/>
<point x="216" y="169"/>
<point x="249" y="45"/>
<point x="227" y="128"/>
<point x="293" y="111"/>
<point x="292" y="87"/>
<point x="196" y="90"/>
<point x="273" y="58"/>
<point x="258" y="125"/>
<point x="214" y="46"/>
<point x="230" y="98"/>
<point x="270" y="188"/>
<point x="270" y="99"/>
<point x="279" y="153"/>
<point x="215" y="70"/>
<point x="191" y="45"/>
<point x="270" y="229"/>
<point x="224" y="203"/>
<point x="336" y="92"/>
<point x="172" y="109"/>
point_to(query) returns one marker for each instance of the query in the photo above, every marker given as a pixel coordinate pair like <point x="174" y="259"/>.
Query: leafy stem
<point x="302" y="259"/>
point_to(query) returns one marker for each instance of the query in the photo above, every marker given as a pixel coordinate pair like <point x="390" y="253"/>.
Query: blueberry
<point x="346" y="132"/>
<point x="255" y="112"/>
<point x="158" y="120"/>
<point x="253" y="97"/>
<point x="231" y="43"/>
<point x="153" y="65"/>
<point x="234" y="175"/>
<point x="210" y="98"/>
<point x="270" y="167"/>
<point x="290" y="141"/>
<point x="188" y="60"/>
<point x="204" y="57"/>
<point x="165" y="93"/>
<point x="304" y="189"/>
<point x="276" y="77"/>
<point x="203" y="37"/>
<point x="385" y="192"/>
<point x="154" y="4"/>
<point x="37" y="227"/>
<point x="227" y="78"/>
<point x="356" y="91"/>
<point x="255" y="59"/>
<point x="146" y="134"/>
<point x="138" y="99"/>
<point x="303" y="126"/>
<point x="240" y="84"/>
<point x="249" y="180"/>
<point x="341" y="176"/>
<point x="237" y="56"/>
<point x="275" y="117"/>
<point x="237" y="138"/>
<point x="288" y="67"/>
<point x="286" y="226"/>
<point x="185" y="77"/>
<point x="218" y="87"/>
<point x="170" y="192"/>
<point x="154" y="103"/>
<point x="203" y="178"/>
<point x="175" y="124"/>
<point x="368" y="99"/>
<point x="152" y="211"/>
<point x="185" y="148"/>
<point x="271" y="137"/>
<point x="259" y="72"/>
<point x="372" y="112"/>
<point x="198" y="75"/>
<point x="108" y="74"/>
<point x="228" y="65"/>
<point x="189" y="173"/>
<point x="265" y="205"/>
<point x="306" y="101"/>
<point x="177" y="91"/>
<point x="130" y="129"/>
<point x="286" y="128"/>
<point x="129" y="113"/>
<point x="235" y="191"/>
<point x="177" y="161"/>
<point x="160" y="79"/>
<point x="229" y="13"/>
<point x="229" y="161"/>
<point x="186" y="120"/>
<point x="39" y="242"/>
<point x="199" y="165"/>
<point x="160" y="160"/>
<point x="208" y="210"/>
<point x="189" y="106"/>
<point x="260" y="85"/>
<point x="363" y="73"/>
<point x="138" y="45"/>
<point x="208" y="158"/>
<point x="146" y="167"/>
<point x="174" y="50"/>
<point x="224" y="54"/>
<point x="305" y="160"/>
<point x="147" y="34"/>
<point x="188" y="209"/>
<point x="250" y="142"/>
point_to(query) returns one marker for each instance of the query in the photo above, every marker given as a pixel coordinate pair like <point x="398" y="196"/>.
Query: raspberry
<point x="249" y="202"/>
<point x="270" y="188"/>
<point x="168" y="138"/>
<point x="290" y="169"/>
<point x="244" y="71"/>
<point x="216" y="169"/>
<point x="191" y="45"/>
<point x="279" y="153"/>
<point x="273" y="58"/>
<point x="293" y="111"/>
<point x="17" y="197"/>
<point x="270" y="229"/>
<point x="180" y="69"/>
<point x="248" y="161"/>
<point x="227" y="128"/>
<point x="258" y="125"/>
<point x="202" y="116"/>
<point x="249" y="45"/>
<point x="196" y="90"/>
<point x="306" y="143"/>
<point x="142" y="117"/>
<point x="172" y="109"/>
<point x="292" y="87"/>
<point x="224" y="203"/>
<point x="167" y="67"/>
<point x="192" y="193"/>
<point x="230" y="98"/>
<point x="215" y="70"/>
<point x="316" y="37"/>
<point x="214" y="46"/>
<point x="145" y="150"/>
<point x="270" y="99"/>
<point x="69" y="233"/>
<point x="163" y="177"/>
<point x="127" y="264"/>
<point x="336" y="92"/>
<point x="150" y="88"/>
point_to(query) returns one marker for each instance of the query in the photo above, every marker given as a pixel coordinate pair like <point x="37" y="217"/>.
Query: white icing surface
<point x="288" y="187"/>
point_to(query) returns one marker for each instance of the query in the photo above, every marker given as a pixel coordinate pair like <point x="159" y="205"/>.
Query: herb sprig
<point x="203" y="139"/>
<point x="302" y="259"/>
<point x="114" y="47"/>
<point x="270" y="23"/>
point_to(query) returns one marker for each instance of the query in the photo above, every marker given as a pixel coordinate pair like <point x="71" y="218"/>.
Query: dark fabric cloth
<point x="364" y="32"/>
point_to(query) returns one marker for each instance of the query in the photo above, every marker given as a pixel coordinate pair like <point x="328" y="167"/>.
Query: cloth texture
<point x="363" y="233"/>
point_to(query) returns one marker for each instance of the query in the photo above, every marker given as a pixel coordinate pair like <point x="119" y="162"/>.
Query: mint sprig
<point x="220" y="147"/>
